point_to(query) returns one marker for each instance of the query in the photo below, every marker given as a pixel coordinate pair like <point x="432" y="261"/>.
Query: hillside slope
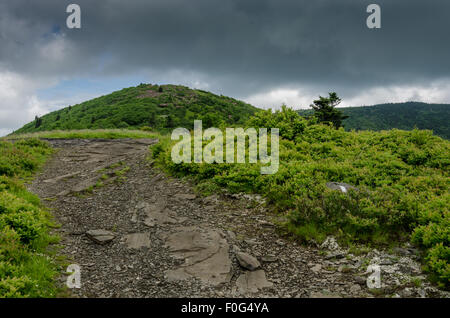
<point x="405" y="116"/>
<point x="158" y="107"/>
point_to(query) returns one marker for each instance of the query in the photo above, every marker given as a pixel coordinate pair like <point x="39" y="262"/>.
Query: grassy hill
<point x="156" y="107"/>
<point x="405" y="116"/>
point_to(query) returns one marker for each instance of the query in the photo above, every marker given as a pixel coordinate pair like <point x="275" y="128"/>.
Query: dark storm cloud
<point x="241" y="46"/>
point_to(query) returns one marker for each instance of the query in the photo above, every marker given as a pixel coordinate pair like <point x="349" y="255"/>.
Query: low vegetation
<point x="87" y="134"/>
<point x="27" y="266"/>
<point x="402" y="180"/>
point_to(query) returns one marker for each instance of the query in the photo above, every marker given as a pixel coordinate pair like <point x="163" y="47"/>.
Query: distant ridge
<point x="405" y="116"/>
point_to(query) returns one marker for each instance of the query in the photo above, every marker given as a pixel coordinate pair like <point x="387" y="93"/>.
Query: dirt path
<point x="137" y="233"/>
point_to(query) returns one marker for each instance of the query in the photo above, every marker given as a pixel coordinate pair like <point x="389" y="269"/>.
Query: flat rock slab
<point x="79" y="187"/>
<point x="269" y="259"/>
<point x="247" y="261"/>
<point x="59" y="178"/>
<point x="205" y="255"/>
<point x="84" y="185"/>
<point x="166" y="217"/>
<point x="157" y="214"/>
<point x="137" y="240"/>
<point x="100" y="236"/>
<point x="252" y="282"/>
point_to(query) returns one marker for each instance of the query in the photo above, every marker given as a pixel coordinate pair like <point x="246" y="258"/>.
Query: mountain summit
<point x="157" y="107"/>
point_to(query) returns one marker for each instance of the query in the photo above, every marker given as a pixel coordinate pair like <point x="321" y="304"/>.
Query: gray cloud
<point x="236" y="47"/>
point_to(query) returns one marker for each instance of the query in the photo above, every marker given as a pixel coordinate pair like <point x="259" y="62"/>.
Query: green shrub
<point x="25" y="268"/>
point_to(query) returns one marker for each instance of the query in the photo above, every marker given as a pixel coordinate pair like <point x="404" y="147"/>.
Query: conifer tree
<point x="325" y="111"/>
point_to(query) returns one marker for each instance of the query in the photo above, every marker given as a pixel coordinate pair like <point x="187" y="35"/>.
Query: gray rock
<point x="205" y="255"/>
<point x="84" y="185"/>
<point x="414" y="251"/>
<point x="336" y="255"/>
<point x="63" y="193"/>
<point x="231" y="235"/>
<point x="247" y="261"/>
<point x="330" y="243"/>
<point x="401" y="251"/>
<point x="252" y="282"/>
<point x="354" y="289"/>
<point x="100" y="236"/>
<point x="387" y="261"/>
<point x="137" y="240"/>
<point x="422" y="293"/>
<point x="407" y="292"/>
<point x="158" y="214"/>
<point x="360" y="280"/>
<point x="269" y="259"/>
<point x="265" y="223"/>
<point x="281" y="242"/>
<point x="251" y="242"/>
<point x="343" y="187"/>
<point x="66" y="176"/>
<point x="316" y="268"/>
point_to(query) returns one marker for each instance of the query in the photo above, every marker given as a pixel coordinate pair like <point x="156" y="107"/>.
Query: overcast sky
<point x="266" y="52"/>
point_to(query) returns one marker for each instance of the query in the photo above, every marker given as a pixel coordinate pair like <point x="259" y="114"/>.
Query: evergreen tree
<point x="325" y="111"/>
<point x="37" y="122"/>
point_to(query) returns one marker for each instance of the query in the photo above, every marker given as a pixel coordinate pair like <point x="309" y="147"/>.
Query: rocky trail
<point x="136" y="232"/>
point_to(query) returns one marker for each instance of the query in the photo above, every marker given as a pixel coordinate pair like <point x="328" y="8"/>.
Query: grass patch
<point x="87" y="134"/>
<point x="207" y="188"/>
<point x="121" y="172"/>
<point x="358" y="250"/>
<point x="27" y="264"/>
<point x="417" y="282"/>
